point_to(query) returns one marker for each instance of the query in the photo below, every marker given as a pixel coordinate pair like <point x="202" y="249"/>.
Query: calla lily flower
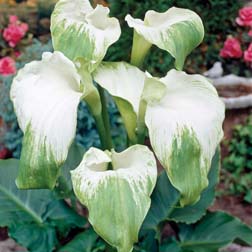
<point x="118" y="199"/>
<point x="83" y="33"/>
<point x="183" y="114"/>
<point x="46" y="95"/>
<point x="178" y="31"/>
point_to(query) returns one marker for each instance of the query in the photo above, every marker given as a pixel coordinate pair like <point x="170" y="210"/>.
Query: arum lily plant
<point x="181" y="113"/>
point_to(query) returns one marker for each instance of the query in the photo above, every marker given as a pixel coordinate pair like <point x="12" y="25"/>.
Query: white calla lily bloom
<point x="83" y="33"/>
<point x="178" y="31"/>
<point x="45" y="96"/>
<point x="184" y="117"/>
<point x="118" y="199"/>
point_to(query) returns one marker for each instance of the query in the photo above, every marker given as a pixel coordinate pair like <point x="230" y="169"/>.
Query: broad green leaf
<point x="81" y="32"/>
<point x="118" y="199"/>
<point x="215" y="231"/>
<point x="148" y="243"/>
<point x="178" y="31"/>
<point x="170" y="246"/>
<point x="35" y="238"/>
<point x="83" y="242"/>
<point x="27" y="206"/>
<point x="32" y="216"/>
<point x="45" y="95"/>
<point x="125" y="83"/>
<point x="62" y="217"/>
<point x="185" y="128"/>
<point x="165" y="198"/>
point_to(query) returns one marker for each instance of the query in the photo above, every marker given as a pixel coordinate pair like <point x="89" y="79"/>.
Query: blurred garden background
<point x="225" y="56"/>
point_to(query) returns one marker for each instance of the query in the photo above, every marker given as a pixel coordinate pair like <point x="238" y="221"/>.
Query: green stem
<point x="105" y="117"/>
<point x="105" y="144"/>
<point x="141" y="128"/>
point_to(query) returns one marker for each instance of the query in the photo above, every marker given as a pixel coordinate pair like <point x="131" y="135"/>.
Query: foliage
<point x="238" y="163"/>
<point x="214" y="231"/>
<point x="33" y="216"/>
<point x="160" y="62"/>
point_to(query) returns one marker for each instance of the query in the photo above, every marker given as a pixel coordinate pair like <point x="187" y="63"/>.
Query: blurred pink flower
<point x="4" y="153"/>
<point x="17" y="54"/>
<point x="245" y="16"/>
<point x="7" y="66"/>
<point x="231" y="49"/>
<point x="24" y="27"/>
<point x="15" y="31"/>
<point x="13" y="19"/>
<point x="250" y="33"/>
<point x="248" y="54"/>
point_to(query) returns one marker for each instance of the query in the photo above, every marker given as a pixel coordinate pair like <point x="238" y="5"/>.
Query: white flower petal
<point x="185" y="128"/>
<point x="80" y="31"/>
<point x="118" y="200"/>
<point x="177" y="31"/>
<point x="125" y="83"/>
<point x="45" y="95"/>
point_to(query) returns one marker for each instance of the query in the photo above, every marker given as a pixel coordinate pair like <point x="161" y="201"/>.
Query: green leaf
<point x="165" y="198"/>
<point x="62" y="217"/>
<point x="170" y="246"/>
<point x="83" y="242"/>
<point x="214" y="231"/>
<point x="33" y="216"/>
<point x="27" y="206"/>
<point x="34" y="237"/>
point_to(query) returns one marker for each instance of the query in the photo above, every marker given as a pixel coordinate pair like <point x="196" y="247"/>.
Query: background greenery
<point x="238" y="164"/>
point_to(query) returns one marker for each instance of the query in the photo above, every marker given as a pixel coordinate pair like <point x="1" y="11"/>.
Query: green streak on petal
<point x="38" y="168"/>
<point x="186" y="171"/>
<point x="119" y="194"/>
<point x="188" y="41"/>
<point x="73" y="35"/>
<point x="118" y="199"/>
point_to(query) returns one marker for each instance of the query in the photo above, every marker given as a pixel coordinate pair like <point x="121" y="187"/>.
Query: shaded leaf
<point x="216" y="230"/>
<point x="83" y="242"/>
<point x="165" y="198"/>
<point x="33" y="216"/>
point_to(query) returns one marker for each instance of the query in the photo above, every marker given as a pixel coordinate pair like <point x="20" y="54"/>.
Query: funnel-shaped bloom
<point x="118" y="199"/>
<point x="45" y="95"/>
<point x="184" y="117"/>
<point x="81" y="32"/>
<point x="178" y="31"/>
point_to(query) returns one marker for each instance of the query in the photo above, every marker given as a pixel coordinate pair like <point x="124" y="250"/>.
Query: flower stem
<point x="141" y="128"/>
<point x="105" y="117"/>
